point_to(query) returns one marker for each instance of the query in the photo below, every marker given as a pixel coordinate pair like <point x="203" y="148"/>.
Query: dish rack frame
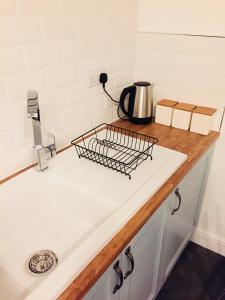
<point x="120" y="149"/>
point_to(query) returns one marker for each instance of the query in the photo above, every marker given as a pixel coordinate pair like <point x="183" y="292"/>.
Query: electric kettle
<point x="136" y="102"/>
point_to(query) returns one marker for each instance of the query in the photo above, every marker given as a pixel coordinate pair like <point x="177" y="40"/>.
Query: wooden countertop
<point x="192" y="144"/>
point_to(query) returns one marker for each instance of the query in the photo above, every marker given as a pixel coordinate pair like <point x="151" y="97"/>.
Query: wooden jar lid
<point x="209" y="111"/>
<point x="185" y="106"/>
<point x="168" y="103"/>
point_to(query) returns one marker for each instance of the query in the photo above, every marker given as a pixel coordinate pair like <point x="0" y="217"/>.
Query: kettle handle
<point x="132" y="91"/>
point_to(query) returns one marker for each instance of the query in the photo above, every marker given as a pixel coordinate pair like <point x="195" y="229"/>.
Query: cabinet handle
<point x="177" y="193"/>
<point x="119" y="272"/>
<point x="131" y="260"/>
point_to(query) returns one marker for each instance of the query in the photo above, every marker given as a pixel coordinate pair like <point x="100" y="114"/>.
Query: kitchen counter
<point x="85" y="213"/>
<point x="194" y="146"/>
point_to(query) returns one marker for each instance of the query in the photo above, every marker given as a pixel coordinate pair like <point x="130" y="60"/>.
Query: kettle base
<point x="142" y="120"/>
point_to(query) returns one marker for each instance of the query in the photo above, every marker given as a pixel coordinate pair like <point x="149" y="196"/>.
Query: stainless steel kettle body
<point x="139" y="102"/>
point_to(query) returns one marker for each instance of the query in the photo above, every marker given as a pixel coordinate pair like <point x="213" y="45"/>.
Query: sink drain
<point x="42" y="262"/>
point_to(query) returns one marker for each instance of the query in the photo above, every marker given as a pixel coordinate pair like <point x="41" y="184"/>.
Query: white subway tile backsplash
<point x="19" y="31"/>
<point x="181" y="44"/>
<point x="213" y="47"/>
<point x="196" y="65"/>
<point x="77" y="94"/>
<point x="95" y="65"/>
<point x="124" y="78"/>
<point x="52" y="46"/>
<point x="207" y="66"/>
<point x="125" y="42"/>
<point x="73" y="114"/>
<point x="103" y="46"/>
<point x="187" y="68"/>
<point x="102" y="116"/>
<point x="16" y="113"/>
<point x="18" y="159"/>
<point x="52" y="102"/>
<point x="11" y="61"/>
<point x="17" y="86"/>
<point x="23" y="135"/>
<point x="2" y="94"/>
<point x="32" y="7"/>
<point x="114" y="24"/>
<point x="4" y="169"/>
<point x="77" y="50"/>
<point x="7" y="142"/>
<point x="91" y="107"/>
<point x="152" y="60"/>
<point x="62" y="76"/>
<point x="80" y="127"/>
<point x="200" y="84"/>
<point x="59" y="27"/>
<point x="62" y="138"/>
<point x="43" y="55"/>
<point x="55" y="122"/>
<point x="149" y="74"/>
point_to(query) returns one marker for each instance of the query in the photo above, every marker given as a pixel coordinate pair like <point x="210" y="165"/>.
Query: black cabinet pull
<point x="131" y="260"/>
<point x="119" y="272"/>
<point x="177" y="193"/>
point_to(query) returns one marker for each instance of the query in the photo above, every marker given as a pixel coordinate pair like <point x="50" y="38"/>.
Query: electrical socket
<point x="93" y="77"/>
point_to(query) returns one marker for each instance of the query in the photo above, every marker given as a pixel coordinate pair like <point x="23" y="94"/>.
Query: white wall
<point x="50" y="45"/>
<point x="201" y="17"/>
<point x="192" y="69"/>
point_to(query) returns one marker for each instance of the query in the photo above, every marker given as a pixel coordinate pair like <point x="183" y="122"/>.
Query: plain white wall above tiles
<point x="73" y="6"/>
<point x="52" y="46"/>
<point x="183" y="17"/>
<point x="33" y="7"/>
<point x="8" y="8"/>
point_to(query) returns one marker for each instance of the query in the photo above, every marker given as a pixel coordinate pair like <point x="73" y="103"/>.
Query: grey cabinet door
<point x="103" y="288"/>
<point x="144" y="248"/>
<point x="181" y="222"/>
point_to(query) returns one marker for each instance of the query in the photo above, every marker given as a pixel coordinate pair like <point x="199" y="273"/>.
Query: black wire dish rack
<point x="116" y="148"/>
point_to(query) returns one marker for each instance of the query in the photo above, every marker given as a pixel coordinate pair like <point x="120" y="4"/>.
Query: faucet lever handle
<point x="32" y="95"/>
<point x="32" y="104"/>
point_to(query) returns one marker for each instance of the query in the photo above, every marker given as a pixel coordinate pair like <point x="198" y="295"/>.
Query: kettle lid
<point x="142" y="83"/>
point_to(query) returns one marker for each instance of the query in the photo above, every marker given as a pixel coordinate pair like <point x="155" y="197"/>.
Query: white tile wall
<point x="185" y="68"/>
<point x="191" y="69"/>
<point x="50" y="46"/>
<point x="18" y="30"/>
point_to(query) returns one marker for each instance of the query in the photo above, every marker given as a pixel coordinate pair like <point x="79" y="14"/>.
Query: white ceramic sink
<point x="74" y="209"/>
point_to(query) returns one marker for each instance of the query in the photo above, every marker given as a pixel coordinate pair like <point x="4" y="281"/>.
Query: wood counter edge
<point x="92" y="272"/>
<point x="3" y="180"/>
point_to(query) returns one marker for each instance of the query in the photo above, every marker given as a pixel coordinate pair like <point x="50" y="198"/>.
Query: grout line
<point x="182" y="34"/>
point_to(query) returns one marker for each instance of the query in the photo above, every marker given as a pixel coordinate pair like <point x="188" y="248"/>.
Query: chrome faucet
<point x="42" y="152"/>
